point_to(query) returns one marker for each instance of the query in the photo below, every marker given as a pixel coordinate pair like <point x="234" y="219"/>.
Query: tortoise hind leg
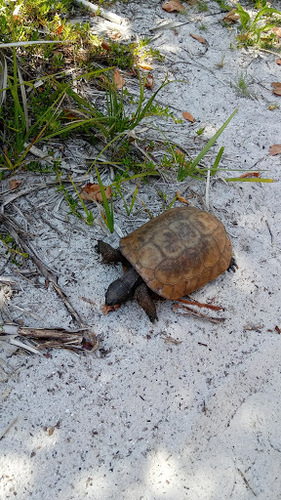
<point x="142" y="296"/>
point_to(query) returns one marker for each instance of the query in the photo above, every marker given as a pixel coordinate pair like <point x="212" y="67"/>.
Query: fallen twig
<point x="18" y="344"/>
<point x="8" y="428"/>
<point x="193" y="302"/>
<point x="193" y="312"/>
<point x="43" y="338"/>
<point x="100" y="12"/>
<point x="246" y="482"/>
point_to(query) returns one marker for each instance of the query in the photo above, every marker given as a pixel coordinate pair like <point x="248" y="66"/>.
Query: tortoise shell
<point x="179" y="251"/>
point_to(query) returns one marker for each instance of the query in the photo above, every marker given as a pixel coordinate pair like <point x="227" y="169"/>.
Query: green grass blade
<point x="217" y="160"/>
<point x="89" y="215"/>
<point x="190" y="168"/>
<point x="244" y="16"/>
<point x="108" y="210"/>
<point x="248" y="179"/>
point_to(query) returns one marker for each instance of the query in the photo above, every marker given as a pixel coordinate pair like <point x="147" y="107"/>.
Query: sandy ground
<point x="146" y="418"/>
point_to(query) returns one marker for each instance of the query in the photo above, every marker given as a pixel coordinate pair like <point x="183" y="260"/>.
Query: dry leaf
<point x="15" y="183"/>
<point x="71" y="114"/>
<point x="277" y="31"/>
<point x="275" y="149"/>
<point x="244" y="38"/>
<point x="277" y="88"/>
<point x="278" y="61"/>
<point x="181" y="198"/>
<point x="106" y="309"/>
<point x="149" y="83"/>
<point x="92" y="192"/>
<point x="272" y="107"/>
<point x="180" y="153"/>
<point x="231" y="17"/>
<point x="145" y="66"/>
<point x="199" y="38"/>
<point x="173" y="6"/>
<point x="188" y="116"/>
<point x="116" y="35"/>
<point x="118" y="80"/>
<point x="59" y="29"/>
<point x="249" y="174"/>
<point x="106" y="46"/>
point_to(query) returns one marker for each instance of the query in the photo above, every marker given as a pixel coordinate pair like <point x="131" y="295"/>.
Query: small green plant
<point x="114" y="124"/>
<point x="200" y="131"/>
<point x="12" y="249"/>
<point x="121" y="56"/>
<point x="202" y="6"/>
<point x="128" y="55"/>
<point x="223" y="5"/>
<point x="162" y="195"/>
<point x="20" y="134"/>
<point x="242" y="86"/>
<point x="36" y="166"/>
<point x="130" y="207"/>
<point x="72" y="203"/>
<point x="252" y="30"/>
<point x="221" y="63"/>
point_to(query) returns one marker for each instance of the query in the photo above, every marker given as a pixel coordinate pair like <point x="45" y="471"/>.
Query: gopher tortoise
<point x="171" y="255"/>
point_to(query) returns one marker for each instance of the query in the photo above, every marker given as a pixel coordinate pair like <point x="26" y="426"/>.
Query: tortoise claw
<point x="233" y="265"/>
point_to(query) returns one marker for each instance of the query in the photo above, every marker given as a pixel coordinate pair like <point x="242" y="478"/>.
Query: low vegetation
<point x="49" y="67"/>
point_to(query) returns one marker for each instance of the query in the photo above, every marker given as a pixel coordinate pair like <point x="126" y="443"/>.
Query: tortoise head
<point x="123" y="288"/>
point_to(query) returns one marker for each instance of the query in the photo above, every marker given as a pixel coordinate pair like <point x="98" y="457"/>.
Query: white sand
<point x="147" y="419"/>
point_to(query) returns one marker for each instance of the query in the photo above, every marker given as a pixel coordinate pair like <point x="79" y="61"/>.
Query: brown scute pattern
<point x="149" y="256"/>
<point x="179" y="251"/>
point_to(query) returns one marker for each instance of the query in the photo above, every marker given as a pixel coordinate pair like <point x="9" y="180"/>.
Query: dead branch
<point x="193" y="302"/>
<point x="193" y="312"/>
<point x="100" y="11"/>
<point x="19" y="236"/>
<point x="45" y="338"/>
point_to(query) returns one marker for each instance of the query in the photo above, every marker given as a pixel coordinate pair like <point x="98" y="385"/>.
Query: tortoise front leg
<point x="121" y="290"/>
<point x="108" y="253"/>
<point x="142" y="296"/>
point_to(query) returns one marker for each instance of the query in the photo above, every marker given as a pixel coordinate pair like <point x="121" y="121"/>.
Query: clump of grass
<point x="259" y="30"/>
<point x="127" y="55"/>
<point x="202" y="6"/>
<point x="241" y="85"/>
